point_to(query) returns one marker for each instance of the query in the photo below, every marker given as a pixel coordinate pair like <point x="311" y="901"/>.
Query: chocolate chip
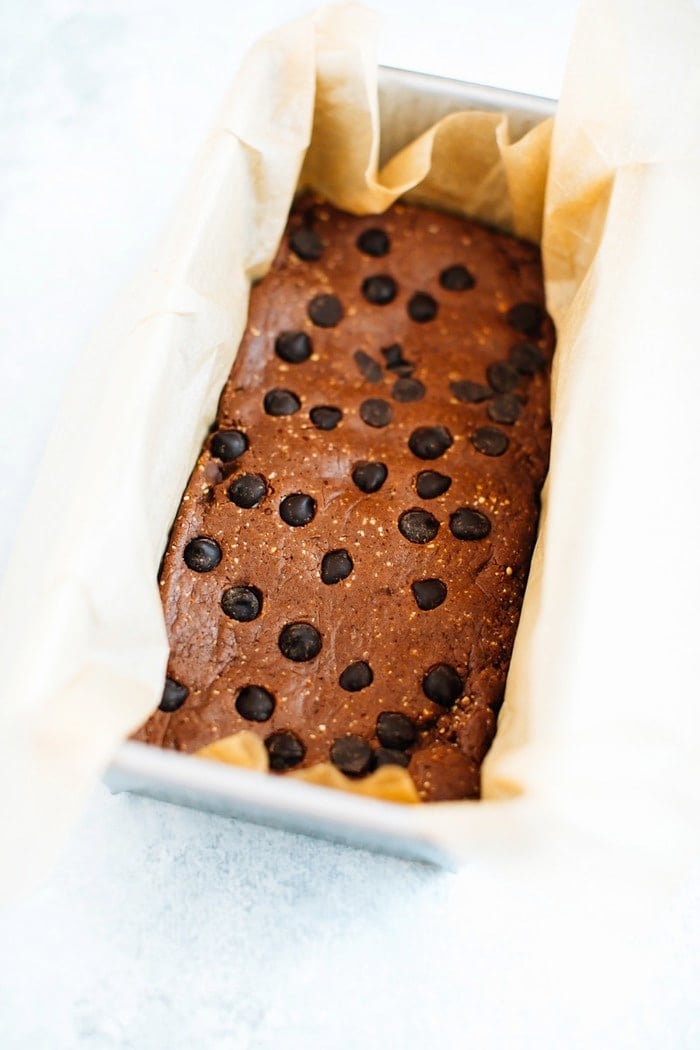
<point x="374" y="242"/>
<point x="505" y="408"/>
<point x="379" y="289"/>
<point x="430" y="484"/>
<point x="502" y="377"/>
<point x="368" y="367"/>
<point x="281" y="402"/>
<point x="255" y="703"/>
<point x="307" y="244"/>
<point x="352" y="755"/>
<point x="490" y="441"/>
<point x="527" y="358"/>
<point x="430" y="442"/>
<point x="247" y="490"/>
<point x="356" y="676"/>
<point x="325" y="311"/>
<point x="325" y="417"/>
<point x="385" y="756"/>
<point x="228" y="445"/>
<point x="376" y="412"/>
<point x="293" y="347"/>
<point x="422" y="307"/>
<point x="395" y="361"/>
<point x="202" y="554"/>
<point x="298" y="509"/>
<point x="418" y="526"/>
<point x="336" y="566"/>
<point x="443" y="685"/>
<point x="174" y="696"/>
<point x="526" y="317"/>
<point x="284" y="750"/>
<point x="468" y="524"/>
<point x="369" y="477"/>
<point x="242" y="603"/>
<point x="429" y="594"/>
<point x="470" y="393"/>
<point x="396" y="730"/>
<point x="456" y="279"/>
<point x="393" y="355"/>
<point x="406" y="390"/>
<point x="299" y="642"/>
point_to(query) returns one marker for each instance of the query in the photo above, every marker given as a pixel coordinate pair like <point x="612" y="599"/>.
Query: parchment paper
<point x="600" y="726"/>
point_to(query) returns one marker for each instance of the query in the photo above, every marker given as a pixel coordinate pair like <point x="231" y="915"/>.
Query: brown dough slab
<point x="404" y="363"/>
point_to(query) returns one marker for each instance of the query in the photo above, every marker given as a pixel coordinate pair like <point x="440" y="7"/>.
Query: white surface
<point x="165" y="928"/>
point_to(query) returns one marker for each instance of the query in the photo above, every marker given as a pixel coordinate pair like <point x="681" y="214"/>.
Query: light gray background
<point x="164" y="928"/>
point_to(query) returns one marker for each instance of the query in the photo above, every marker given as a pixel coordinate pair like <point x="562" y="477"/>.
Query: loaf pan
<point x="409" y="104"/>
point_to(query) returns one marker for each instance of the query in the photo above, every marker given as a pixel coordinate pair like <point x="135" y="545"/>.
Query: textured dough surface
<point x="372" y="615"/>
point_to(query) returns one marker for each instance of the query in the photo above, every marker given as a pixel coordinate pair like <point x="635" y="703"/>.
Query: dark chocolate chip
<point x="293" y="347"/>
<point x="456" y="279"/>
<point x="325" y="311"/>
<point x="470" y="393"/>
<point x="247" y="490"/>
<point x="298" y="509"/>
<point x="356" y="676"/>
<point x="505" y="408"/>
<point x="352" y="755"/>
<point x="430" y="484"/>
<point x="502" y="377"/>
<point x="468" y="524"/>
<point x="526" y="317"/>
<point x="255" y="703"/>
<point x="396" y="730"/>
<point x="376" y="412"/>
<point x="422" y="307"/>
<point x="527" y="358"/>
<point x="385" y="756"/>
<point x="369" y="477"/>
<point x="202" y="554"/>
<point x="393" y="355"/>
<point x="284" y="750"/>
<point x="281" y="402"/>
<point x="368" y="366"/>
<point x="379" y="289"/>
<point x="307" y="244"/>
<point x="490" y="441"/>
<point x="336" y="566"/>
<point x="374" y="242"/>
<point x="325" y="417"/>
<point x="418" y="526"/>
<point x="430" y="442"/>
<point x="299" y="642"/>
<point x="429" y="594"/>
<point x="174" y="696"/>
<point x="406" y="390"/>
<point x="228" y="445"/>
<point x="442" y="684"/>
<point x="242" y="603"/>
<point x="396" y="362"/>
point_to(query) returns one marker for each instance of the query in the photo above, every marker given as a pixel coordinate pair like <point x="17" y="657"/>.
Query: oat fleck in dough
<point x="346" y="570"/>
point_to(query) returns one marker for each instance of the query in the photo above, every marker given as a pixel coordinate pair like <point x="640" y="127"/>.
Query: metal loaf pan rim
<point x="281" y="802"/>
